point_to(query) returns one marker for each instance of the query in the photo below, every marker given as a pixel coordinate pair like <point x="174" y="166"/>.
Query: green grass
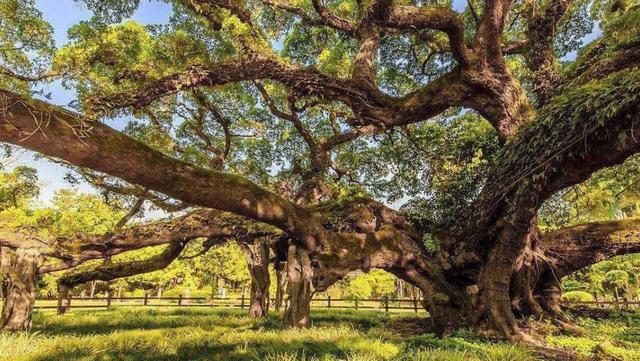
<point x="618" y="337"/>
<point x="219" y="334"/>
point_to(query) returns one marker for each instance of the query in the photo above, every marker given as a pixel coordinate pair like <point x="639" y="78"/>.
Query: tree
<point x="376" y="284"/>
<point x="349" y="74"/>
<point x="18" y="186"/>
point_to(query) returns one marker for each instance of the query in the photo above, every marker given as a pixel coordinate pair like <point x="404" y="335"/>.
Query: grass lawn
<point x="122" y="333"/>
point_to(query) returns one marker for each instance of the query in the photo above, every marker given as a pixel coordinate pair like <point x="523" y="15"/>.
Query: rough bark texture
<point x="21" y="293"/>
<point x="257" y="255"/>
<point x="64" y="299"/>
<point x="280" y="250"/>
<point x="299" y="273"/>
<point x="281" y="281"/>
<point x="110" y="271"/>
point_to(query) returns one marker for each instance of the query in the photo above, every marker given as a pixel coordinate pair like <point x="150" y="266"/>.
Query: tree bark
<point x="64" y="299"/>
<point x="21" y="294"/>
<point x="257" y="255"/>
<point x="281" y="281"/>
<point x="299" y="273"/>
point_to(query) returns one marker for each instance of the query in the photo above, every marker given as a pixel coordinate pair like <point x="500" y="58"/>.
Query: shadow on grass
<point x="122" y="319"/>
<point x="208" y="351"/>
<point x="205" y="334"/>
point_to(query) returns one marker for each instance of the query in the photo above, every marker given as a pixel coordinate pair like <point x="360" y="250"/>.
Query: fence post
<point x="146" y="299"/>
<point x="356" y="303"/>
<point x="415" y="304"/>
<point x="242" y="301"/>
<point x="108" y="299"/>
<point x="179" y="300"/>
<point x="328" y="301"/>
<point x="386" y="303"/>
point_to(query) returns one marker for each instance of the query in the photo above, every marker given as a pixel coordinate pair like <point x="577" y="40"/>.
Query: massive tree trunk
<point x="21" y="293"/>
<point x="299" y="273"/>
<point x="257" y="255"/>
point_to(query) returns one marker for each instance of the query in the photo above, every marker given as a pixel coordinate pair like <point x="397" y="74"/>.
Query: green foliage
<point x="375" y="284"/>
<point x="577" y="296"/>
<point x="111" y="11"/>
<point x="82" y="213"/>
<point x="616" y="337"/>
<point x="70" y="213"/>
<point x="112" y="58"/>
<point x="26" y="41"/>
<point x="614" y="279"/>
<point x="18" y="187"/>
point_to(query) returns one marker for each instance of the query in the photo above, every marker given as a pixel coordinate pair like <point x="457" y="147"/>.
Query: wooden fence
<point x="382" y="304"/>
<point x="615" y="305"/>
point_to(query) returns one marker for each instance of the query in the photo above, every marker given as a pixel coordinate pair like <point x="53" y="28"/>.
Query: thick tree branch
<point x="577" y="247"/>
<point x="412" y="18"/>
<point x="330" y="19"/>
<point x="489" y="33"/>
<point x="111" y="271"/>
<point x="203" y="223"/>
<point x="572" y="138"/>
<point x="59" y="133"/>
<point x="541" y="30"/>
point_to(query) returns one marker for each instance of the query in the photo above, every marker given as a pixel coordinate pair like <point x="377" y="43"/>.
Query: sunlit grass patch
<point x="225" y="334"/>
<point x="618" y="336"/>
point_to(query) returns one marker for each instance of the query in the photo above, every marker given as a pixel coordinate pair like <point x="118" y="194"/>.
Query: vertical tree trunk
<point x="4" y="258"/>
<point x="21" y="294"/>
<point x="64" y="299"/>
<point x="92" y="289"/>
<point x="281" y="280"/>
<point x="299" y="272"/>
<point x="257" y="255"/>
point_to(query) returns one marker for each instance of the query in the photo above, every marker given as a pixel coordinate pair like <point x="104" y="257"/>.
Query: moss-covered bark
<point x="21" y="292"/>
<point x="257" y="256"/>
<point x="299" y="274"/>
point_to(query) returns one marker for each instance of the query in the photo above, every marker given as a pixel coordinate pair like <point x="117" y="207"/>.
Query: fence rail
<point x="382" y="304"/>
<point x="616" y="305"/>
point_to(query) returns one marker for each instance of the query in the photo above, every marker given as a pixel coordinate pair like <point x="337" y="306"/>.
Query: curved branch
<point x="203" y="223"/>
<point x="412" y="18"/>
<point x="111" y="271"/>
<point x="330" y="19"/>
<point x="83" y="142"/>
<point x="572" y="138"/>
<point x="577" y="247"/>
